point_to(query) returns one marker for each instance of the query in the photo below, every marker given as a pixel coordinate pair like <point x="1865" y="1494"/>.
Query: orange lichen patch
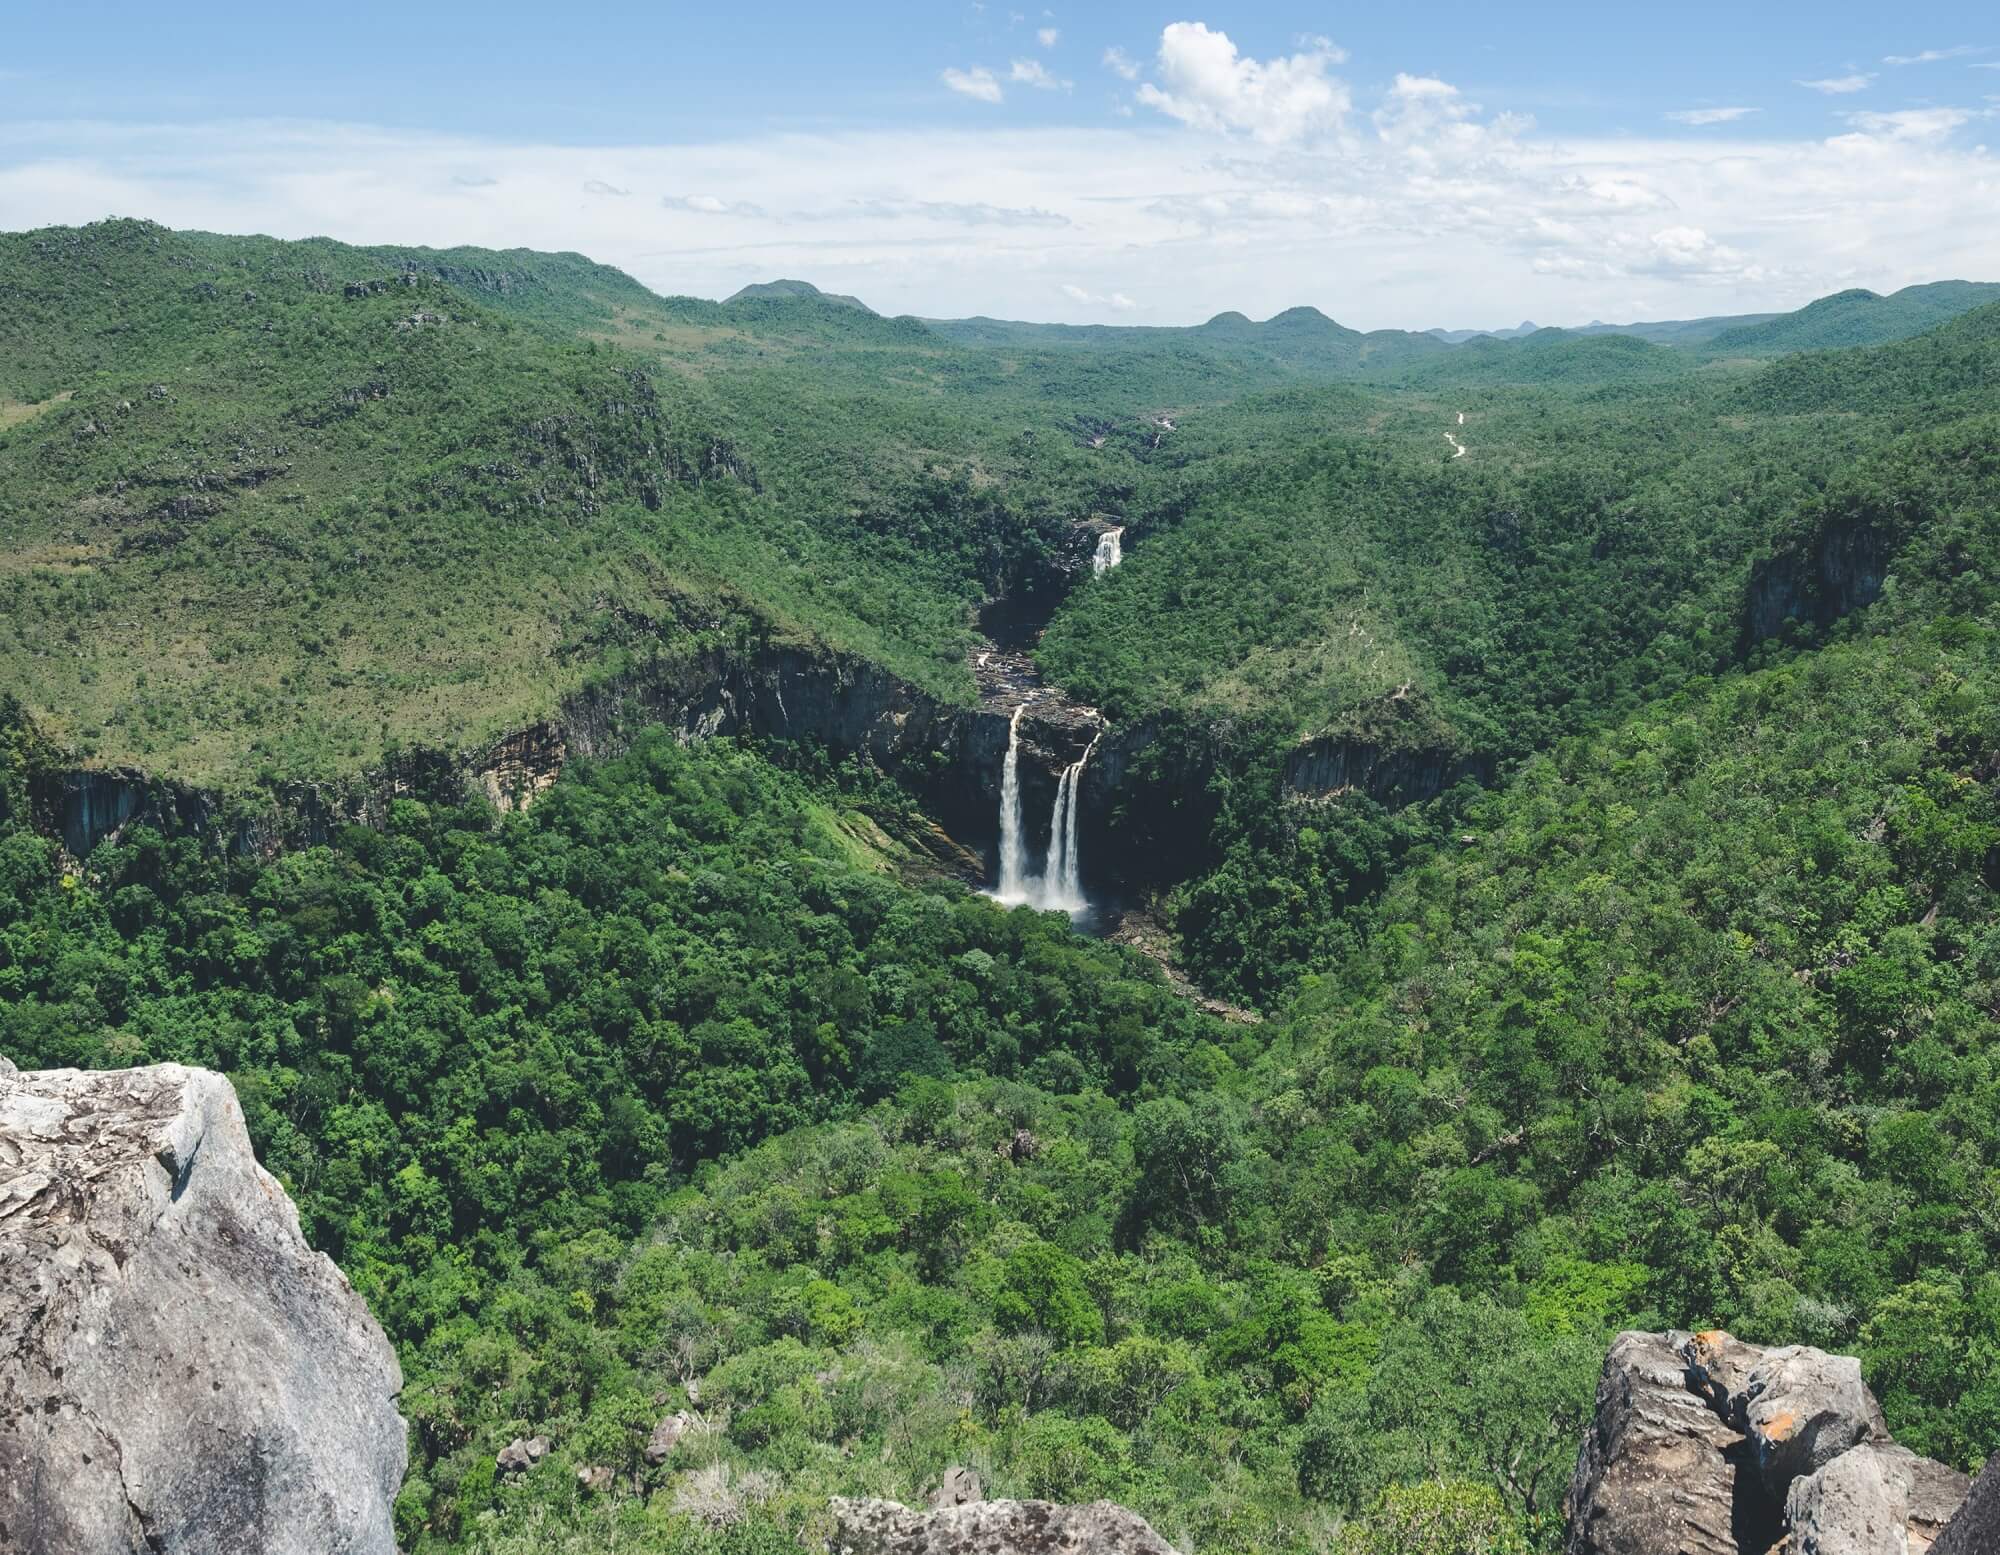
<point x="1780" y="1425"/>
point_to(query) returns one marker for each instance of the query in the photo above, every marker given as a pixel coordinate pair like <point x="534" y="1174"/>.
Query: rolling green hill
<point x="1857" y="318"/>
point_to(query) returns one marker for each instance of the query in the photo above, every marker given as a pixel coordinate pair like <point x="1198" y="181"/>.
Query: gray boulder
<point x="1975" y="1528"/>
<point x="666" y="1435"/>
<point x="991" y="1528"/>
<point x="959" y="1487"/>
<point x="1657" y="1475"/>
<point x="521" y="1454"/>
<point x="1801" y="1409"/>
<point x="1875" y="1499"/>
<point x="1703" y="1445"/>
<point x="179" y="1372"/>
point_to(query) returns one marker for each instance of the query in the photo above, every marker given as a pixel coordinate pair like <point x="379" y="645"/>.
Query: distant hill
<point x="1857" y="318"/>
<point x="1458" y="337"/>
<point x="1678" y="332"/>
<point x="794" y="291"/>
<point x="1954" y="367"/>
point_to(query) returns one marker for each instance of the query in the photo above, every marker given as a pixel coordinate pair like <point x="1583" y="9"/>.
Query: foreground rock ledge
<point x="991" y="1528"/>
<point x="1704" y="1445"/>
<point x="179" y="1372"/>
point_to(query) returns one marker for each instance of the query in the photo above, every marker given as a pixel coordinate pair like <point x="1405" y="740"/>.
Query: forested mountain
<point x="1574" y="759"/>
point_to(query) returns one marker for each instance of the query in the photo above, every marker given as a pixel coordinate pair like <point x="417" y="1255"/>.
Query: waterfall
<point x="1110" y="552"/>
<point x="1059" y="887"/>
<point x="1062" y="876"/>
<point x="1014" y="884"/>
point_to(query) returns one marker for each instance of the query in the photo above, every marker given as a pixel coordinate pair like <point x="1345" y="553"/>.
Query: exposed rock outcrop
<point x="1975" y="1530"/>
<point x="1704" y="1445"/>
<point x="178" y="1370"/>
<point x="991" y="1528"/>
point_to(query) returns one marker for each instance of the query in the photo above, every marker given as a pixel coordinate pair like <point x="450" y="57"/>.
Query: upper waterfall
<point x="1110" y="551"/>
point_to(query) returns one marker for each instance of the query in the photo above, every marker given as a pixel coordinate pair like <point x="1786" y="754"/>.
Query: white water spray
<point x="1059" y="888"/>
<point x="1062" y="875"/>
<point x="1110" y="552"/>
<point x="1014" y="884"/>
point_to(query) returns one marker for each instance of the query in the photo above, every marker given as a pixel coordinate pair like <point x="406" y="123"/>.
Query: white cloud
<point x="978" y="82"/>
<point x="1932" y="56"/>
<point x="1115" y="300"/>
<point x="599" y="186"/>
<point x="1912" y="123"/>
<point x="710" y="205"/>
<point x="1709" y="115"/>
<point x="1046" y="36"/>
<point x="1031" y="72"/>
<point x="1836" y="86"/>
<point x="1117" y="60"/>
<point x="1428" y="211"/>
<point x="1210" y="86"/>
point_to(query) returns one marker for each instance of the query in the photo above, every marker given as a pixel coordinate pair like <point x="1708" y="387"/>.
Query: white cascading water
<point x="1110" y="552"/>
<point x="1059" y="888"/>
<point x="1062" y="876"/>
<point x="1014" y="882"/>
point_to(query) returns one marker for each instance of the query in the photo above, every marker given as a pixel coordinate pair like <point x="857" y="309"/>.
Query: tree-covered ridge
<point x="1690" y="1023"/>
<point x="277" y="520"/>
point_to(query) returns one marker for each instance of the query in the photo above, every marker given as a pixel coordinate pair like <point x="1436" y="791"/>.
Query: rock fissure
<point x="1704" y="1445"/>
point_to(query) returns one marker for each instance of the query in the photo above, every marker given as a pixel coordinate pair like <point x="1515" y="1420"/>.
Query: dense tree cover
<point x="669" y="1095"/>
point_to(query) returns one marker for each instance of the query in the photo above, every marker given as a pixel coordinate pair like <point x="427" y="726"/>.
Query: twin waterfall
<point x="1059" y="887"/>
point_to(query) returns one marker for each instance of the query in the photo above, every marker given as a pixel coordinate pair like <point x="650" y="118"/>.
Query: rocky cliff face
<point x="1838" y="569"/>
<point x="1703" y="1445"/>
<point x="1326" y="769"/>
<point x="179" y="1372"/>
<point x="991" y="1528"/>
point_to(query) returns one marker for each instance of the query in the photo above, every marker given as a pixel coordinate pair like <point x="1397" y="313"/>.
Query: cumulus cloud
<point x="1836" y="86"/>
<point x="1207" y="84"/>
<point x="1046" y="36"/>
<point x="1709" y="115"/>
<point x="978" y="83"/>
<point x="1932" y="56"/>
<point x="1031" y="72"/>
<point x="1117" y="300"/>
<point x="1424" y="201"/>
<point x="1119" y="62"/>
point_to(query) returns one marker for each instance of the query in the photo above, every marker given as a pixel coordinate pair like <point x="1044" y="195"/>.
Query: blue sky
<point x="1414" y="165"/>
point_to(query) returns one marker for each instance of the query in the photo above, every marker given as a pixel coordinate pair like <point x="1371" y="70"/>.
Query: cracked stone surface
<point x="1704" y="1445"/>
<point x="179" y="1372"/>
<point x="991" y="1528"/>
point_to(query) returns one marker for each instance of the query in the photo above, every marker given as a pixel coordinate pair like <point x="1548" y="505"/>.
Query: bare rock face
<point x="179" y="1372"/>
<point x="1878" y="1499"/>
<point x="1703" y="1445"/>
<point x="991" y="1528"/>
<point x="1658" y="1471"/>
<point x="1975" y="1530"/>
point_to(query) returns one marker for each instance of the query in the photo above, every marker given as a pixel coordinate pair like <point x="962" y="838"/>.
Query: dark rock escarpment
<point x="179" y="1372"/>
<point x="1703" y="1445"/>
<point x="991" y="1528"/>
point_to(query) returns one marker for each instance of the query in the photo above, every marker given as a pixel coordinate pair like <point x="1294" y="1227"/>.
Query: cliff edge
<point x="178" y="1370"/>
